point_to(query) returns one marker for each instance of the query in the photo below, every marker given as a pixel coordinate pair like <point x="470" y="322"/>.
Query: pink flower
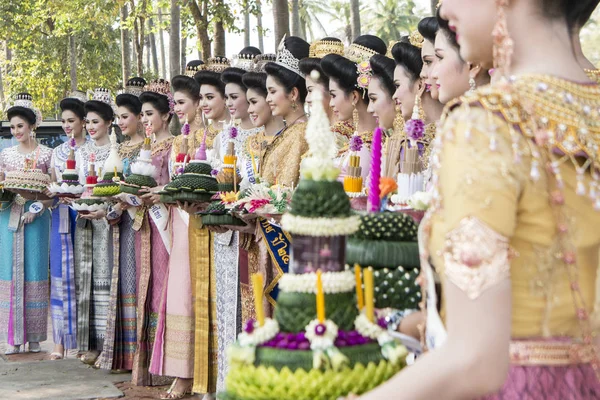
<point x="356" y="143"/>
<point x="415" y="129"/>
<point x="257" y="204"/>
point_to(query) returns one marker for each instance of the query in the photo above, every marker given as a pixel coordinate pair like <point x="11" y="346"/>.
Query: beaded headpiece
<point x="25" y="100"/>
<point x="217" y="64"/>
<point x="243" y="61"/>
<point x="286" y="59"/>
<point x="162" y="87"/>
<point x="416" y="39"/>
<point x="78" y="95"/>
<point x="390" y="47"/>
<point x="192" y="67"/>
<point x="321" y="48"/>
<point x="357" y="53"/>
<point x="104" y="96"/>
<point x="261" y="60"/>
<point x="134" y="86"/>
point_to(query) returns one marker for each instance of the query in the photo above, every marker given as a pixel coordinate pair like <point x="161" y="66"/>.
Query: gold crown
<point x="190" y="70"/>
<point x="243" y="61"/>
<point x="390" y="47"/>
<point x="217" y="64"/>
<point x="321" y="48"/>
<point x="262" y="59"/>
<point x="416" y="39"/>
<point x="159" y="86"/>
<point x="357" y="53"/>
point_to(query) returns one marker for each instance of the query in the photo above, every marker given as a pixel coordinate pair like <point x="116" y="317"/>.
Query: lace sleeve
<point x="479" y="185"/>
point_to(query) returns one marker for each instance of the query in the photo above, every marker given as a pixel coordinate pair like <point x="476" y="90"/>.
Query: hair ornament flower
<point x="365" y="72"/>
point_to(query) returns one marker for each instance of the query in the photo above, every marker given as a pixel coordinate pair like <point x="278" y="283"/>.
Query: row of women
<point x="510" y="234"/>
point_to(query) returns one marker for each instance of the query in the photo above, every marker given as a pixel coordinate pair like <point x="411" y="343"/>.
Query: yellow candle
<point x="360" y="300"/>
<point x="320" y="298"/>
<point x="116" y="171"/>
<point x="369" y="306"/>
<point x="257" y="285"/>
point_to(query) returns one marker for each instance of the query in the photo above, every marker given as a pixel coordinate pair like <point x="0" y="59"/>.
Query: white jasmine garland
<point x="88" y="207"/>
<point x="320" y="226"/>
<point x="333" y="282"/>
<point x="321" y="342"/>
<point x="420" y="201"/>
<point x="371" y="330"/>
<point x="260" y="334"/>
<point x="241" y="355"/>
<point x="354" y="195"/>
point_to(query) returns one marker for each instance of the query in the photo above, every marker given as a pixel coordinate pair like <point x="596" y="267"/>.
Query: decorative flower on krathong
<point x="356" y="143"/>
<point x="322" y="338"/>
<point x="229" y="197"/>
<point x="233" y="132"/>
<point x="72" y="143"/>
<point x="415" y="129"/>
<point x="390" y="348"/>
<point x="185" y="129"/>
<point x="255" y="205"/>
<point x="255" y="335"/>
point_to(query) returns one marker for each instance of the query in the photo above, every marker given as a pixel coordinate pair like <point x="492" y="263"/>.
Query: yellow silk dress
<point x="516" y="196"/>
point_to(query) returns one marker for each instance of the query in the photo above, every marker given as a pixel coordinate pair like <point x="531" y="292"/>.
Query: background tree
<point x="174" y="39"/>
<point x="355" y="18"/>
<point x="391" y="19"/>
<point x="281" y="18"/>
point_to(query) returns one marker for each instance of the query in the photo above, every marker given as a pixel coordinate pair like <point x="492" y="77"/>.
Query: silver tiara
<point x="25" y="100"/>
<point x="78" y="95"/>
<point x="104" y="96"/>
<point x="262" y="59"/>
<point x="244" y="61"/>
<point x="286" y="59"/>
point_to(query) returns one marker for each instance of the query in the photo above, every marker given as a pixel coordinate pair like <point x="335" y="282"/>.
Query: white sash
<point x="160" y="216"/>
<point x="435" y="332"/>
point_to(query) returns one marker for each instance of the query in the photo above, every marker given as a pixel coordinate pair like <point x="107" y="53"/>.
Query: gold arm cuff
<point x="549" y="353"/>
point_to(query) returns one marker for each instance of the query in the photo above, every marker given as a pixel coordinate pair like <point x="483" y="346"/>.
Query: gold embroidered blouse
<point x="196" y="140"/>
<point x="512" y="189"/>
<point x="594" y="74"/>
<point x="281" y="161"/>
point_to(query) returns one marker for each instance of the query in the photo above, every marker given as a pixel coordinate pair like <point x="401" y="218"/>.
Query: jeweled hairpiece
<point x="390" y="47"/>
<point x="192" y="67"/>
<point x="286" y="59"/>
<point x="162" y="87"/>
<point x="357" y="53"/>
<point x="261" y="60"/>
<point x="102" y="95"/>
<point x="244" y="61"/>
<point x="25" y="100"/>
<point x="416" y="39"/>
<point x="365" y="73"/>
<point x="217" y="64"/>
<point x="134" y="86"/>
<point x="321" y="48"/>
<point x="78" y="95"/>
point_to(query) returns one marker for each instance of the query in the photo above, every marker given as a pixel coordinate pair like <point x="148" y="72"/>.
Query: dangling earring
<point x="355" y="118"/>
<point x="32" y="134"/>
<point x="398" y="124"/>
<point x="503" y="44"/>
<point x="294" y="106"/>
<point x="472" y="85"/>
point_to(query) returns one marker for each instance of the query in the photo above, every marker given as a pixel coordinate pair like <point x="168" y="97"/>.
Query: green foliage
<point x="391" y="19"/>
<point x="37" y="34"/>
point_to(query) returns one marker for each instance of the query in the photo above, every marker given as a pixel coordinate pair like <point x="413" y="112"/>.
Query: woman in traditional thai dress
<point x="343" y="129"/>
<point x="93" y="258"/>
<point x="201" y="251"/>
<point x="512" y="229"/>
<point x="150" y="223"/>
<point x="62" y="262"/>
<point x="349" y="97"/>
<point x="24" y="238"/>
<point x="231" y="247"/>
<point x="428" y="28"/>
<point x="121" y="333"/>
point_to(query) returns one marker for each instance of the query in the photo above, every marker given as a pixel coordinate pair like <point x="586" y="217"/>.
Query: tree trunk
<point x="174" y="40"/>
<point x="152" y="38"/>
<point x="2" y="105"/>
<point x="355" y="18"/>
<point x="281" y="17"/>
<point x="434" y="4"/>
<point x="134" y="58"/>
<point x="296" y="29"/>
<point x="201" y="23"/>
<point x="219" y="43"/>
<point x="161" y="41"/>
<point x="246" y="24"/>
<point x="183" y="53"/>
<point x="73" y="62"/>
<point x="125" y="49"/>
<point x="259" y="27"/>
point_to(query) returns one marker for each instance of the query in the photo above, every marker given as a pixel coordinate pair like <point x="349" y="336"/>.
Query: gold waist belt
<point x="549" y="352"/>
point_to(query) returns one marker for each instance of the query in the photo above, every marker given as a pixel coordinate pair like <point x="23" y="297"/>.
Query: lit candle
<point x="320" y="298"/>
<point x="369" y="306"/>
<point x="359" y="291"/>
<point x="257" y="285"/>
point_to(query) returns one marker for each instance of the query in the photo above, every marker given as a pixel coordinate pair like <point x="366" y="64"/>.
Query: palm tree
<point x="355" y="18"/>
<point x="390" y="19"/>
<point x="281" y="17"/>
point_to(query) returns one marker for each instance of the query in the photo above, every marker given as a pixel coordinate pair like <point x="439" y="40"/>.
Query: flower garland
<point x="321" y="227"/>
<point x="333" y="282"/>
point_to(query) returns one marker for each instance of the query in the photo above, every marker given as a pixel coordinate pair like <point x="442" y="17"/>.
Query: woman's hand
<point x="250" y="227"/>
<point x="28" y="217"/>
<point x="216" y="228"/>
<point x="192" y="208"/>
<point x="66" y="200"/>
<point x="151" y="198"/>
<point x="48" y="193"/>
<point x="94" y="215"/>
